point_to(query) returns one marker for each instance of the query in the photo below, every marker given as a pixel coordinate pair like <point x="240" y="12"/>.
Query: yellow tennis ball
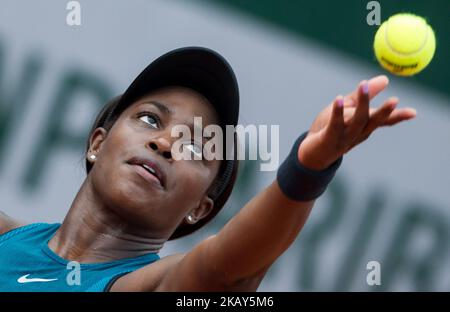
<point x="404" y="44"/>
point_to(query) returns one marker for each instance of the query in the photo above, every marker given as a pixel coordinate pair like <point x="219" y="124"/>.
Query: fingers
<point x="361" y="115"/>
<point x="376" y="85"/>
<point x="379" y="116"/>
<point x="399" y="115"/>
<point x="337" y="115"/>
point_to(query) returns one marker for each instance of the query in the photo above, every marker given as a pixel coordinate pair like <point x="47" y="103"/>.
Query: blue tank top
<point x="28" y="264"/>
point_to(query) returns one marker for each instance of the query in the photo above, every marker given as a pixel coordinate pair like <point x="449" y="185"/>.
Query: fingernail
<point x="365" y="87"/>
<point x="340" y="101"/>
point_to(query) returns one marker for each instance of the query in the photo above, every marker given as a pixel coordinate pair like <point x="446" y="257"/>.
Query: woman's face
<point x="156" y="201"/>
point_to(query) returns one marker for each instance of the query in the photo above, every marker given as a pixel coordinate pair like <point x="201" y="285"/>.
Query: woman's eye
<point x="150" y="119"/>
<point x="194" y="148"/>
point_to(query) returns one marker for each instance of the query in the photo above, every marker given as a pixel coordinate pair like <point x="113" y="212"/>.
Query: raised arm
<point x="266" y="226"/>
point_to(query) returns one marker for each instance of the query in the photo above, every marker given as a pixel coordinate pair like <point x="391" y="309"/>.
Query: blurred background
<point x="390" y="200"/>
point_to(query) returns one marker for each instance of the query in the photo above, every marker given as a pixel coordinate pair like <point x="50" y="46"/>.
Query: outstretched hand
<point x="347" y="122"/>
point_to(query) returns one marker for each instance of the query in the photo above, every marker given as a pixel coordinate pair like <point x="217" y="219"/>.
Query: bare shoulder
<point x="149" y="277"/>
<point x="7" y="223"/>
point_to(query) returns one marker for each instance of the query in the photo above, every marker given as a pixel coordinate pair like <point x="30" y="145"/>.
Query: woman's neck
<point x="92" y="232"/>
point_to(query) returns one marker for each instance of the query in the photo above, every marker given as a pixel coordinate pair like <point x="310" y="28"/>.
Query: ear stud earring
<point x="92" y="157"/>
<point x="190" y="219"/>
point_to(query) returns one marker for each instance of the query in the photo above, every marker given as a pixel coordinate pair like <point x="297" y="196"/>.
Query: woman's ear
<point x="205" y="206"/>
<point x="95" y="142"/>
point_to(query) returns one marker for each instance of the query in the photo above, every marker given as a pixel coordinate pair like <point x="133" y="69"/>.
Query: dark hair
<point x="221" y="187"/>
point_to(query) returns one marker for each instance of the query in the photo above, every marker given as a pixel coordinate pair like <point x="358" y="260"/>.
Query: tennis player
<point x="136" y="196"/>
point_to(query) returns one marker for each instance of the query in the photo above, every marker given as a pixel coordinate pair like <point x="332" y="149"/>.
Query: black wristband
<point x="300" y="183"/>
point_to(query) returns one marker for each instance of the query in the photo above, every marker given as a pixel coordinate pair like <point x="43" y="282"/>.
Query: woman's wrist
<point x="301" y="183"/>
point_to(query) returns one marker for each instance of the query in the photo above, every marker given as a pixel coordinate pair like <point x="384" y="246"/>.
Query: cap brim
<point x="198" y="68"/>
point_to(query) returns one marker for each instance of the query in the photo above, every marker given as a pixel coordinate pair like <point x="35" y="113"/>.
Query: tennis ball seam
<point x="386" y="38"/>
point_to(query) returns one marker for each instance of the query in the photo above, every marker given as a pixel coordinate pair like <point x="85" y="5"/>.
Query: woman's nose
<point x="162" y="146"/>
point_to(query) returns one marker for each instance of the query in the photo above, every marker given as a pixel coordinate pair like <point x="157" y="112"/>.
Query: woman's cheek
<point x="194" y="186"/>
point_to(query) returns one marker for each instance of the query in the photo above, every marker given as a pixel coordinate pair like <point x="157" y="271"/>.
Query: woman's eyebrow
<point x="162" y="107"/>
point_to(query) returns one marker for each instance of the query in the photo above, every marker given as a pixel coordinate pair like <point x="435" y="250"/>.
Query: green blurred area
<point x="342" y="25"/>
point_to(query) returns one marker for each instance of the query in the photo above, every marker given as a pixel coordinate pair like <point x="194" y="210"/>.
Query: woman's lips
<point x="147" y="176"/>
<point x="151" y="167"/>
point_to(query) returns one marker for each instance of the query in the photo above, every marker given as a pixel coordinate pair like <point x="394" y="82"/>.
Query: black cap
<point x="197" y="68"/>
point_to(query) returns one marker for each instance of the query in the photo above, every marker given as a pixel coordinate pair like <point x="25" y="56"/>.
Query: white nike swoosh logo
<point x="25" y="279"/>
